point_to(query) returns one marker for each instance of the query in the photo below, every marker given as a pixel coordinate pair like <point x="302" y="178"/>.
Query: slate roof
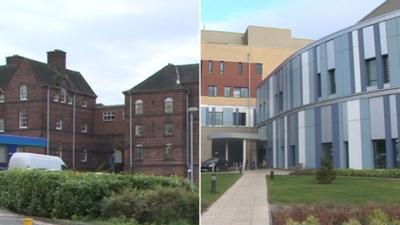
<point x="386" y="7"/>
<point x="166" y="78"/>
<point x="49" y="75"/>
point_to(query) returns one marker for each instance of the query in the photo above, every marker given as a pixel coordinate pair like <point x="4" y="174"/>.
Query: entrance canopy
<point x="23" y="140"/>
<point x="231" y="135"/>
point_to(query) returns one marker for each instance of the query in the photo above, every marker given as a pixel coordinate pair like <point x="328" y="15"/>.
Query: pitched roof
<point x="49" y="75"/>
<point x="166" y="78"/>
<point x="384" y="8"/>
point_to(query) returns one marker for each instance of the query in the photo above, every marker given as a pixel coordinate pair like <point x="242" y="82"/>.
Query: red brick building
<point x="157" y="138"/>
<point x="50" y="101"/>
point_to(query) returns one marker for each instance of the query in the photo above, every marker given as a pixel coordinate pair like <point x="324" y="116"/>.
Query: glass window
<point x="221" y="67"/>
<point x="227" y="92"/>
<point x="84" y="128"/>
<point x="209" y="66"/>
<point x="319" y="85"/>
<point x="1" y="125"/>
<point x="55" y="98"/>
<point x="240" y="68"/>
<point x="84" y="104"/>
<point x="212" y="90"/>
<point x="139" y="130"/>
<point x="63" y="95"/>
<point x="396" y="149"/>
<point x="280" y="101"/>
<point x="332" y="81"/>
<point x="84" y="156"/>
<point x="371" y="72"/>
<point x="3" y="154"/>
<point x="386" y="70"/>
<point x="2" y="98"/>
<point x="219" y="118"/>
<point x="236" y="92"/>
<point x="70" y="100"/>
<point x="346" y="154"/>
<point x="259" y="69"/>
<point x="23" y="92"/>
<point x="23" y="119"/>
<point x="108" y="116"/>
<point x="168" y="105"/>
<point x="139" y="107"/>
<point x="244" y="93"/>
<point x="139" y="152"/>
<point x="379" y="147"/>
<point x="59" y="125"/>
<point x="168" y="129"/>
<point x="239" y="119"/>
<point x="168" y="150"/>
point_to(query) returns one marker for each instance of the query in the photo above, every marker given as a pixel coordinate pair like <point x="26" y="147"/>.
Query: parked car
<point x="26" y="160"/>
<point x="218" y="164"/>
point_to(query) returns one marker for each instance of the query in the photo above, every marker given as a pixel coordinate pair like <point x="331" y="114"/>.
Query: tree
<point x="326" y="174"/>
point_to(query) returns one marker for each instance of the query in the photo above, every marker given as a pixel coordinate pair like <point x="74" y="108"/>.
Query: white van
<point x="36" y="161"/>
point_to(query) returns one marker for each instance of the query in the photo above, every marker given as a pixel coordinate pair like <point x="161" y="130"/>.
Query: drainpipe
<point x="48" y="121"/>
<point x="130" y="132"/>
<point x="73" y="131"/>
<point x="187" y="132"/>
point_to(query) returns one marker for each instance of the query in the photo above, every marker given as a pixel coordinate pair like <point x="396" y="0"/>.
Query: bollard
<point x="271" y="174"/>
<point x="213" y="183"/>
<point x="27" y="221"/>
<point x="240" y="168"/>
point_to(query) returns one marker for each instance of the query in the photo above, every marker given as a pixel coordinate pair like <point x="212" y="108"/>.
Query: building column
<point x="226" y="150"/>
<point x="244" y="154"/>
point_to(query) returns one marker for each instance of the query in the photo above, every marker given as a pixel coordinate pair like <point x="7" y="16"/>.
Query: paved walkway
<point x="245" y="203"/>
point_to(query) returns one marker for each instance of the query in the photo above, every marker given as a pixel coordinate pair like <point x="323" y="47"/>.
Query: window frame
<point x="240" y="68"/>
<point x="221" y="67"/>
<point x="170" y="131"/>
<point x="386" y="69"/>
<point x="139" y="107"/>
<point x="332" y="81"/>
<point x="84" y="156"/>
<point x="59" y="124"/>
<point x="259" y="68"/>
<point x="371" y="71"/>
<point x="209" y="66"/>
<point x="2" y="98"/>
<point x="139" y="130"/>
<point x="63" y="95"/>
<point x="108" y="116"/>
<point x="84" y="128"/>
<point x="23" y="92"/>
<point x="213" y="89"/>
<point x="2" y="126"/>
<point x="139" y="154"/>
<point x="169" y="105"/>
<point x="230" y="91"/>
<point x="23" y="119"/>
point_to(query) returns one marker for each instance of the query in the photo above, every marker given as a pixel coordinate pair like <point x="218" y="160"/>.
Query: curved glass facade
<point x="340" y="94"/>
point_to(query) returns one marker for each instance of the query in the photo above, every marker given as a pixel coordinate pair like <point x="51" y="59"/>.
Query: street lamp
<point x="191" y="110"/>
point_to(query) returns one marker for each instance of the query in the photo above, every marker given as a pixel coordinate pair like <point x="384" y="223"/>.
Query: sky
<point x="115" y="44"/>
<point x="311" y="19"/>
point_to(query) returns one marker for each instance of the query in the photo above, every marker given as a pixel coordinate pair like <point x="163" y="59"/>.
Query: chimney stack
<point x="57" y="58"/>
<point x="13" y="60"/>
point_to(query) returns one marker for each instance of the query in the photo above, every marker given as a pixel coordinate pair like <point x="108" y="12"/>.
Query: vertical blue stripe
<point x="363" y="66"/>
<point x="318" y="145"/>
<point x="378" y="56"/>
<point x="335" y="135"/>
<point x="388" y="133"/>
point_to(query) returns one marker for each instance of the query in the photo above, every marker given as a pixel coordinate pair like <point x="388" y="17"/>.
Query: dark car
<point x="218" y="164"/>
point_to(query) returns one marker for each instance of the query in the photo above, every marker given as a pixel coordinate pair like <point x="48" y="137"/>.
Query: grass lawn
<point x="344" y="190"/>
<point x="224" y="181"/>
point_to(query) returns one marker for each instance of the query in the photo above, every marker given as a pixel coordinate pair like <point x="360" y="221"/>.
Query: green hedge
<point x="72" y="194"/>
<point x="389" y="173"/>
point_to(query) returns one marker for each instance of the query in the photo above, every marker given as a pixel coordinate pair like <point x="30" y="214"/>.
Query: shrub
<point x="72" y="194"/>
<point x="311" y="220"/>
<point x="390" y="173"/>
<point x="326" y="174"/>
<point x="378" y="217"/>
<point x="352" y="222"/>
<point x="128" y="204"/>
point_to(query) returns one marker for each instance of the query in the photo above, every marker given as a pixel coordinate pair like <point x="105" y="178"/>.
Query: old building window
<point x="319" y="92"/>
<point x="219" y="118"/>
<point x="168" y="150"/>
<point x="63" y="95"/>
<point x="139" y="130"/>
<point x="221" y="67"/>
<point x="209" y="66"/>
<point x="168" y="129"/>
<point x="108" y="116"/>
<point x="1" y="125"/>
<point x="239" y="119"/>
<point x="240" y="68"/>
<point x="259" y="69"/>
<point x="23" y="119"/>
<point x="2" y="98"/>
<point x="59" y="125"/>
<point x="70" y="100"/>
<point x="139" y="107"/>
<point x="84" y="128"/>
<point x="59" y="151"/>
<point x="84" y="104"/>
<point x="168" y="105"/>
<point x="240" y="92"/>
<point x="212" y="90"/>
<point x="55" y="98"/>
<point x="227" y="91"/>
<point x="84" y="156"/>
<point x="139" y="152"/>
<point x="23" y="92"/>
<point x="3" y="154"/>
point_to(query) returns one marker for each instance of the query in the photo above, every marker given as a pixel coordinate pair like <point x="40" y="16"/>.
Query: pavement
<point x="9" y="218"/>
<point x="245" y="203"/>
